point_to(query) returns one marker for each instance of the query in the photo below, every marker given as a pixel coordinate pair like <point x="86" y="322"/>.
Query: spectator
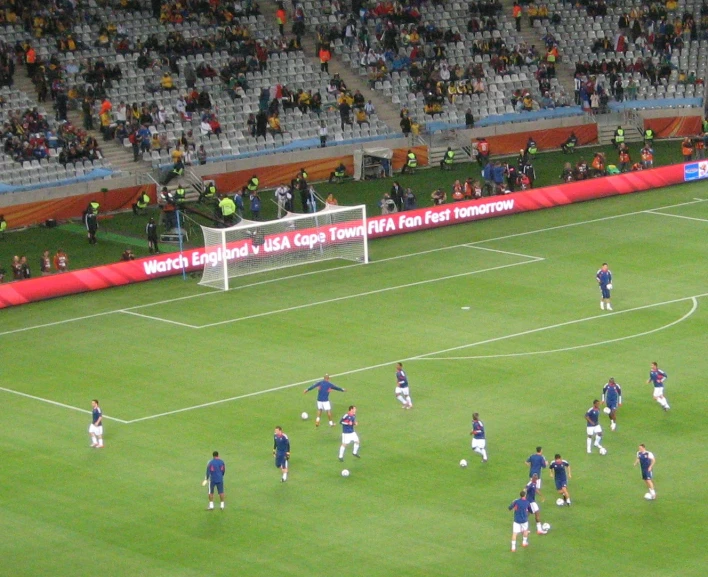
<point x="45" y="264"/>
<point x="25" y="271"/>
<point x="397" y="194"/>
<point x="201" y="155"/>
<point x="687" y="149"/>
<point x="331" y="200"/>
<point x="438" y="197"/>
<point x="323" y="134"/>
<point x="387" y="204"/>
<point x="127" y="255"/>
<point x="16" y="268"/>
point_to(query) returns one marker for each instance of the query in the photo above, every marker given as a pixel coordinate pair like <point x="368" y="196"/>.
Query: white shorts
<point x="96" y="430"/>
<point x="479" y="443"/>
<point x="658" y="392"/>
<point x="520" y="527"/>
<point x="596" y="430"/>
<point x="538" y="482"/>
<point x="349" y="438"/>
<point x="324" y="406"/>
<point x="534" y="507"/>
<point x="402" y="391"/>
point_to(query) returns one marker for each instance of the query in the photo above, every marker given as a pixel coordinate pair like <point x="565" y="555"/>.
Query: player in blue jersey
<point x="535" y="463"/>
<point x="612" y="398"/>
<point x="403" y="392"/>
<point x="479" y="441"/>
<point x="215" y="471"/>
<point x="323" y="388"/>
<point x="532" y="491"/>
<point x="560" y="473"/>
<point x="281" y="452"/>
<point x="604" y="281"/>
<point x="646" y="461"/>
<point x="657" y="377"/>
<point x="521" y="508"/>
<point x="96" y="426"/>
<point x="348" y="422"/>
<point x="592" y="423"/>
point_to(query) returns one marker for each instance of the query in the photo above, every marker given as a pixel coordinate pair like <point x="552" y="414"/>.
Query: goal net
<point x="336" y="232"/>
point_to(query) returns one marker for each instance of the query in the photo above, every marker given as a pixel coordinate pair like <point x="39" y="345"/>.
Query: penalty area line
<point x="694" y="300"/>
<point x="128" y="312"/>
<point x="656" y="212"/>
<point x="58" y="404"/>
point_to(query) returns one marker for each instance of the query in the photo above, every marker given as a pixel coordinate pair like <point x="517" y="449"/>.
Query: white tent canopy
<point x="368" y="163"/>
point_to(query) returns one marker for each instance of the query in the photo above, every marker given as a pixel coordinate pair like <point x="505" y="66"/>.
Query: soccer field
<point x="499" y="317"/>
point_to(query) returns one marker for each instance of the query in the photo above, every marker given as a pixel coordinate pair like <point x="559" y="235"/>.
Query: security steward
<point x="619" y="137"/>
<point x="649" y="137"/>
<point x="568" y="146"/>
<point x="227" y="208"/>
<point x="3" y="226"/>
<point x="338" y="174"/>
<point x="251" y="185"/>
<point x="531" y="148"/>
<point x="448" y="159"/>
<point x="180" y="196"/>
<point x="208" y="192"/>
<point x="141" y="203"/>
<point x="91" y="223"/>
<point x="411" y="163"/>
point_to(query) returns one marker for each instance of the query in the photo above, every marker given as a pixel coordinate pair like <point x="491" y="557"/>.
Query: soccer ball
<point x="560" y="502"/>
<point x="648" y="497"/>
<point x="546" y="526"/>
<point x="305" y="416"/>
<point x="607" y="410"/>
<point x="463" y="463"/>
<point x="345" y="473"/>
<point x="603" y="451"/>
<point x="609" y="286"/>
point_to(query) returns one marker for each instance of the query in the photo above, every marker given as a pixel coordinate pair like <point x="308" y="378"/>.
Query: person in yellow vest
<point x="93" y="207"/>
<point x="411" y="163"/>
<point x="141" y="203"/>
<point x="180" y="196"/>
<point x="618" y="137"/>
<point x="649" y="137"/>
<point x="251" y="185"/>
<point x="448" y="159"/>
<point x="208" y="192"/>
<point x="338" y="174"/>
<point x="3" y="226"/>
<point x="227" y="207"/>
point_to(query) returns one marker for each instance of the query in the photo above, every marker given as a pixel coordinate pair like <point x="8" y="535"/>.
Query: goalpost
<point x="336" y="232"/>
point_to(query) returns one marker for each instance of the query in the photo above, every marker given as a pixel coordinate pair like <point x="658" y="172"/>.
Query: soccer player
<point x="646" y="460"/>
<point x="479" y="442"/>
<point x="560" y="472"/>
<point x="323" y="388"/>
<point x="592" y="418"/>
<point x="533" y="489"/>
<point x="348" y="422"/>
<point x="612" y="397"/>
<point x="281" y="452"/>
<point x="215" y="471"/>
<point x="403" y="392"/>
<point x="521" y="508"/>
<point x="536" y="462"/>
<point x="96" y="426"/>
<point x="658" y="377"/>
<point x="604" y="281"/>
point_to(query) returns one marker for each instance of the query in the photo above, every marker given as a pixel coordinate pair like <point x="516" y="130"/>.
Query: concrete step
<point x="606" y="132"/>
<point x="462" y="154"/>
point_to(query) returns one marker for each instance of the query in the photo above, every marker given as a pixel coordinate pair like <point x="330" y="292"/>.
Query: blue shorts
<point x="646" y="475"/>
<point x="605" y="293"/>
<point x="561" y="484"/>
<point x="281" y="460"/>
<point x="219" y="487"/>
<point x="612" y="406"/>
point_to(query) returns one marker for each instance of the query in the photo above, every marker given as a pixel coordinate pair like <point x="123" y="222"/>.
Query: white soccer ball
<point x="546" y="526"/>
<point x="463" y="463"/>
<point x="305" y="416"/>
<point x="607" y="410"/>
<point x="560" y="502"/>
<point x="648" y="497"/>
<point x="345" y="473"/>
<point x="603" y="451"/>
<point x="609" y="286"/>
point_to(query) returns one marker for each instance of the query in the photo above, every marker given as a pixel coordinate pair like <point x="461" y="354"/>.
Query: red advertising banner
<point x="122" y="273"/>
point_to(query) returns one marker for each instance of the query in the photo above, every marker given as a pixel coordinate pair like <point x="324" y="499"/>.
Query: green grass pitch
<point x="530" y="354"/>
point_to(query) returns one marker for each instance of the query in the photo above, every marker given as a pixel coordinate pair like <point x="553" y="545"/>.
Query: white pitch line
<point x="57" y="404"/>
<point x="129" y="312"/>
<point x="365" y="294"/>
<point x="676" y="215"/>
<point x="566" y="349"/>
<point x="556" y="326"/>
<point x="414" y="358"/>
<point x="504" y="252"/>
<point x="176" y="299"/>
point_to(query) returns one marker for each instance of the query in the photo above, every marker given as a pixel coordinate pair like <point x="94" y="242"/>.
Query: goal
<point x="336" y="232"/>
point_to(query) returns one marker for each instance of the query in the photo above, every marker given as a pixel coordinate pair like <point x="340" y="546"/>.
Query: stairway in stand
<point x="120" y="157"/>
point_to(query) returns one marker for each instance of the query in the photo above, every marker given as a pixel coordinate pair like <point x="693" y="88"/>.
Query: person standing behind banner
<point x="152" y="237"/>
